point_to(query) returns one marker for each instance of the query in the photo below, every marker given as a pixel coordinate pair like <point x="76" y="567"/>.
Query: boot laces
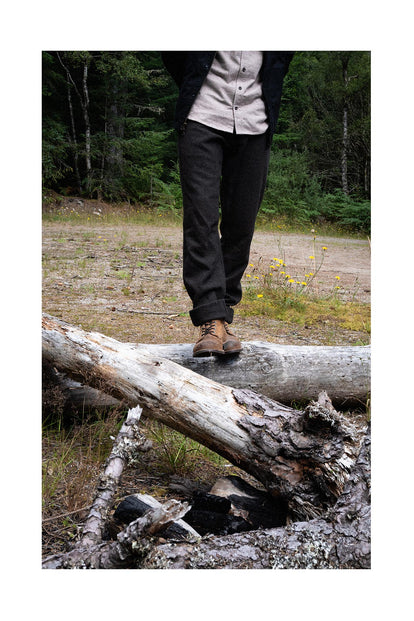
<point x="208" y="328"/>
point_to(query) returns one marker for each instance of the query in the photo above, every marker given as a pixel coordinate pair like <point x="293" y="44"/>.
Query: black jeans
<point x="219" y="169"/>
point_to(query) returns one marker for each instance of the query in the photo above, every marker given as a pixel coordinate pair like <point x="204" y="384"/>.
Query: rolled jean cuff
<point x="212" y="310"/>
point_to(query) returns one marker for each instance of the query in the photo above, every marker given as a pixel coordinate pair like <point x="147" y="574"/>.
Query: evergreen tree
<point x="107" y="133"/>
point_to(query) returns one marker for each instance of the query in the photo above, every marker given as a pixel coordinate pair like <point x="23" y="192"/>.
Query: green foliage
<point x="293" y="193"/>
<point x="132" y="146"/>
<point x="291" y="190"/>
<point x="348" y="213"/>
<point x="55" y="153"/>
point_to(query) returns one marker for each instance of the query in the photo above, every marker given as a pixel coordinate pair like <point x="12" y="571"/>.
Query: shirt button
<point x="240" y="88"/>
<point x="244" y="69"/>
<point x="236" y="107"/>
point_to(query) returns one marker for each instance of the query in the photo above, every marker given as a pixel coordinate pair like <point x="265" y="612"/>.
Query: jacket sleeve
<point x="174" y="62"/>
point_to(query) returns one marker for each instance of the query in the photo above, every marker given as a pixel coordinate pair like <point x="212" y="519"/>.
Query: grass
<point x="74" y="457"/>
<point x="138" y="214"/>
<point x="292" y="307"/>
<point x="179" y="454"/>
<point x="125" y="215"/>
<point x="274" y="291"/>
<point x="71" y="454"/>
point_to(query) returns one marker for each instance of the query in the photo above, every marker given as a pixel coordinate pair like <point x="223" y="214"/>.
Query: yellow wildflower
<point x="260" y="295"/>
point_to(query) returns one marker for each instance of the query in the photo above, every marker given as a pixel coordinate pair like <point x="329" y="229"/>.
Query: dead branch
<point x="305" y="457"/>
<point x="128" y="441"/>
<point x="132" y="544"/>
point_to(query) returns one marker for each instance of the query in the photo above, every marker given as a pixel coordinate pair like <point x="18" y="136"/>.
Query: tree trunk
<point x="304" y="457"/>
<point x="345" y="147"/>
<point x="339" y="540"/>
<point x="85" y="110"/>
<point x="286" y="373"/>
<point x="84" y="103"/>
<point x="73" y="130"/>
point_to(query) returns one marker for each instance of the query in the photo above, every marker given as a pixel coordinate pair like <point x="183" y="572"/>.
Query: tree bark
<point x="73" y="130"/>
<point x="286" y="373"/>
<point x="128" y="440"/>
<point x="85" y="110"/>
<point x="338" y="540"/>
<point x="84" y="103"/>
<point x="132" y="544"/>
<point x="305" y="457"/>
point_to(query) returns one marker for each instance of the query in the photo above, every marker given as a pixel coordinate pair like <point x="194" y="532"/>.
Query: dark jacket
<point x="189" y="69"/>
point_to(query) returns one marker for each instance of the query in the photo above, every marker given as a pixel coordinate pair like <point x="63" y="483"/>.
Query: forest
<point x="107" y="133"/>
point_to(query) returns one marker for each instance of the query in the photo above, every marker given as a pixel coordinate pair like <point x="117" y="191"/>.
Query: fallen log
<point x="131" y="546"/>
<point x="286" y="373"/>
<point x="304" y="457"/>
<point x="133" y="542"/>
<point x="339" y="540"/>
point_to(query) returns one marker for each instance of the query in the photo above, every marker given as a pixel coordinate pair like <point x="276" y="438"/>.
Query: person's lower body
<point x="227" y="171"/>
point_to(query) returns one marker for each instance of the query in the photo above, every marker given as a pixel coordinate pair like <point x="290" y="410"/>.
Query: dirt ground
<point x="125" y="280"/>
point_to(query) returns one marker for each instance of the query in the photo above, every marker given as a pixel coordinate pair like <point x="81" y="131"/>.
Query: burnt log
<point x="136" y="505"/>
<point x="131" y="546"/>
<point x="304" y="457"/>
<point x="231" y="506"/>
<point x="339" y="540"/>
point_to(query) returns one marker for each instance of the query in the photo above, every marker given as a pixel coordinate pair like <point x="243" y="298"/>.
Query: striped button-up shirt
<point x="230" y="98"/>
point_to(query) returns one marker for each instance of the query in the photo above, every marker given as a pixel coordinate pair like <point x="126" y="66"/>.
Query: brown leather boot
<point x="210" y="343"/>
<point x="231" y="344"/>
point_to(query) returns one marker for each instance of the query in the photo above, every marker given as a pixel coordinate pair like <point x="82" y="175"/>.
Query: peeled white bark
<point x="128" y="439"/>
<point x="285" y="373"/>
<point x="304" y="456"/>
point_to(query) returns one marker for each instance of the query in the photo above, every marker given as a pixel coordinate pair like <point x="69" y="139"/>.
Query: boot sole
<point x="203" y="353"/>
<point x="233" y="351"/>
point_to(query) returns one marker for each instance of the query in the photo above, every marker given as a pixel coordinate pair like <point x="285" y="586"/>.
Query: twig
<point x="62" y="515"/>
<point x="141" y="312"/>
